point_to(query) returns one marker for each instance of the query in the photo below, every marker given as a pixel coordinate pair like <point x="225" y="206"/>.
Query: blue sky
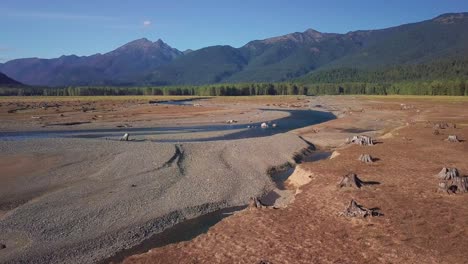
<point x="50" y="28"/>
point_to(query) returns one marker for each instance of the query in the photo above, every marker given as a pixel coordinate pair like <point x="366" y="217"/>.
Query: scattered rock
<point x="2" y="246"/>
<point x="366" y="158"/>
<point x="231" y="121"/>
<point x="453" y="138"/>
<point x="263" y="261"/>
<point x="435" y="132"/>
<point x="125" y="137"/>
<point x="133" y="185"/>
<point x="361" y="140"/>
<point x="264" y="125"/>
<point x="274" y="125"/>
<point x="356" y="210"/>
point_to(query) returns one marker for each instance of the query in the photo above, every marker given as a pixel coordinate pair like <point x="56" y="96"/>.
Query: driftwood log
<point x="361" y="140"/>
<point x="453" y="138"/>
<point x="451" y="181"/>
<point x="356" y="210"/>
<point x="125" y="137"/>
<point x="366" y="158"/>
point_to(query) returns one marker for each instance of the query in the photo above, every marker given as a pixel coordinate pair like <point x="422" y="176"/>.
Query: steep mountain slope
<point x="292" y="55"/>
<point x="441" y="37"/>
<point x="6" y="81"/>
<point x="207" y="65"/>
<point x="121" y="65"/>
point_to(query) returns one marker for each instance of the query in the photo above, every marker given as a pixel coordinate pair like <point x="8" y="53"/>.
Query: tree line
<point x="435" y="87"/>
<point x="448" y="77"/>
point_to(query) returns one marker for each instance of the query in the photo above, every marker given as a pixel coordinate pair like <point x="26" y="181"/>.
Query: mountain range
<point x="143" y="62"/>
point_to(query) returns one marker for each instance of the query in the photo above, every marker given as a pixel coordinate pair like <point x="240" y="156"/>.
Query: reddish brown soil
<point x="419" y="225"/>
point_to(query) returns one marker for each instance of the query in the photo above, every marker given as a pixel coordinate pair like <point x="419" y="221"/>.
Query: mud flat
<point x="83" y="199"/>
<point x="419" y="224"/>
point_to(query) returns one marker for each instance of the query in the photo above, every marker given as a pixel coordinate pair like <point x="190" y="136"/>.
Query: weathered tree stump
<point x="444" y="125"/>
<point x="351" y="180"/>
<point x="452" y="182"/>
<point x="366" y="158"/>
<point x="361" y="140"/>
<point x="125" y="137"/>
<point x="461" y="183"/>
<point x="453" y="138"/>
<point x="448" y="174"/>
<point x="356" y="210"/>
<point x="255" y="203"/>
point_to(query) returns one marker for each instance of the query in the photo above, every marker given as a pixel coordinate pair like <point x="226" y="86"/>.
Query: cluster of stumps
<point x="450" y="180"/>
<point x="351" y="180"/>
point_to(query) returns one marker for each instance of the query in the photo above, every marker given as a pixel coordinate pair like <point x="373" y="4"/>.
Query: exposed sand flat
<point x="90" y="198"/>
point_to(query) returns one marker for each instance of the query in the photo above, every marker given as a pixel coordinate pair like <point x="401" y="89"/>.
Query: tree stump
<point x="255" y="203"/>
<point x="356" y="210"/>
<point x="125" y="137"/>
<point x="451" y="181"/>
<point x="444" y="125"/>
<point x="453" y="138"/>
<point x="366" y="158"/>
<point x="361" y="140"/>
<point x="351" y="180"/>
<point x="448" y="174"/>
<point x="461" y="183"/>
